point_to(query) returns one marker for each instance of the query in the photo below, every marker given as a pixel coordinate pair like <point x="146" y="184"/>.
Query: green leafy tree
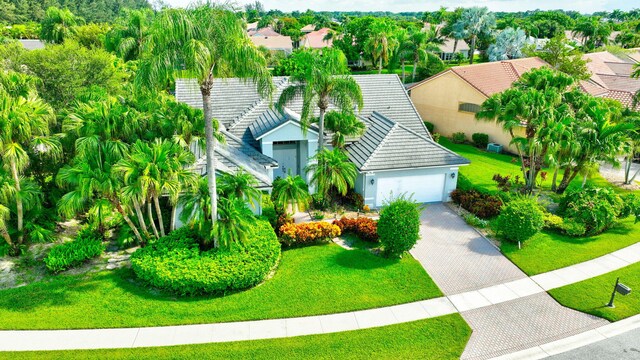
<point x="203" y="43"/>
<point x="381" y="43"/>
<point x="240" y="185"/>
<point x="291" y="193"/>
<point x="473" y="23"/>
<point x="417" y="44"/>
<point x="593" y="32"/>
<point x="58" y="25"/>
<point x="332" y="172"/>
<point x="129" y="33"/>
<point x="324" y="82"/>
<point x="235" y="222"/>
<point x="91" y="36"/>
<point x="563" y="57"/>
<point x="25" y="122"/>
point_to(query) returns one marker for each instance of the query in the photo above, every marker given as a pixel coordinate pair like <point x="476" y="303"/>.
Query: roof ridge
<point x="255" y="105"/>
<point x="384" y="139"/>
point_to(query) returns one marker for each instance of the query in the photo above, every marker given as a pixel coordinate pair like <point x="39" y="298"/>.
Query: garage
<point x="424" y="188"/>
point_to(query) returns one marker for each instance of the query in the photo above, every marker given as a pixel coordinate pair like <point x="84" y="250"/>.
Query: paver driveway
<point x="460" y="260"/>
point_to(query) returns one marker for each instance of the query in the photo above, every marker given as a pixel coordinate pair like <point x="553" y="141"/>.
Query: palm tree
<point x="381" y="44"/>
<point x="332" y="170"/>
<point x="241" y="185"/>
<point x="203" y="43"/>
<point x="291" y="193"/>
<point x="475" y="21"/>
<point x="593" y="31"/>
<point x="25" y="121"/>
<point x="633" y="149"/>
<point x="418" y="43"/>
<point x="343" y="126"/>
<point x="324" y="82"/>
<point x="234" y="224"/>
<point x="129" y="33"/>
<point x="58" y="24"/>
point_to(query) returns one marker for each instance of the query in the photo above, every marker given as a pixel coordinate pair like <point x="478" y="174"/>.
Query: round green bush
<point x="399" y="226"/>
<point x="520" y="220"/>
<point x="594" y="209"/>
<point x="175" y="262"/>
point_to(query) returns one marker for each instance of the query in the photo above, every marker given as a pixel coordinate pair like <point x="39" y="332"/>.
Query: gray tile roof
<point x="238" y="106"/>
<point x="388" y="145"/>
<point x="31" y="44"/>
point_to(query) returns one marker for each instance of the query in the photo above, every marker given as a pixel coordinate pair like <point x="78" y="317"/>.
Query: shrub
<point x="458" y="138"/>
<point x="319" y="202"/>
<point x="308" y="233"/>
<point x="553" y="222"/>
<point x="573" y="228"/>
<point x="317" y="215"/>
<point x="484" y="206"/>
<point x="366" y="209"/>
<point x="269" y="210"/>
<point x="520" y="220"/>
<point x="364" y="228"/>
<point x="399" y="226"/>
<point x="480" y="140"/>
<point x="175" y="262"/>
<point x="475" y="221"/>
<point x="436" y="137"/>
<point x="595" y="208"/>
<point x="87" y="245"/>
<point x="429" y="126"/>
<point x="354" y="199"/>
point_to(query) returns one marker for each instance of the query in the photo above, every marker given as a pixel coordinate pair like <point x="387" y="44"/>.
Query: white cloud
<point x="584" y="6"/>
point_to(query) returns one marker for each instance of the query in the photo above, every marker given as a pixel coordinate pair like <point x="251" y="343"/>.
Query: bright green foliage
<point x="129" y="33"/>
<point x="332" y="172"/>
<point x="475" y="22"/>
<point x="381" y="43"/>
<point x="399" y="226"/>
<point x="240" y="185"/>
<point x="175" y="263"/>
<point x="91" y="35"/>
<point x="595" y="209"/>
<point x="520" y="219"/>
<point x="343" y="127"/>
<point x="58" y="25"/>
<point x="480" y="140"/>
<point x="291" y="193"/>
<point x="87" y="245"/>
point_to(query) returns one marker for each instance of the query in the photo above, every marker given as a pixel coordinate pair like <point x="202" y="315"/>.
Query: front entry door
<point x="287" y="157"/>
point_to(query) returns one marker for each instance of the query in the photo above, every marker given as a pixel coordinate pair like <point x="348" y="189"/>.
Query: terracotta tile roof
<point x="494" y="77"/>
<point x="611" y="76"/>
<point x="267" y="31"/>
<point x="273" y="42"/>
<point x="315" y="39"/>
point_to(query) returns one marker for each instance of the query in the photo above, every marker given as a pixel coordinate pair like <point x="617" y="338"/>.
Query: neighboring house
<point x="266" y="31"/>
<point x="611" y="76"/>
<point x="446" y="49"/>
<point x="274" y="43"/>
<point x="252" y="27"/>
<point x="30" y="44"/>
<point x="395" y="155"/>
<point x="308" y="28"/>
<point x="316" y="39"/>
<point x="451" y="99"/>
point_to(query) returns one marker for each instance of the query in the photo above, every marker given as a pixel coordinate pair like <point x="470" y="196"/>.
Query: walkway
<point x="516" y="314"/>
<point x="507" y="310"/>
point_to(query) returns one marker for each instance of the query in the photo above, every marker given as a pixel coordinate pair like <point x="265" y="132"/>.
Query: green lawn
<point x="439" y="338"/>
<point x="591" y="295"/>
<point x="548" y="250"/>
<point x="313" y="280"/>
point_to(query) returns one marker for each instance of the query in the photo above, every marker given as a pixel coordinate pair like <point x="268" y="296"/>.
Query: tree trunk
<point x="153" y="223"/>
<point x="156" y="201"/>
<point x="321" y="129"/>
<point x="455" y="46"/>
<point x="211" y="143"/>
<point x="472" y="51"/>
<point x="566" y="179"/>
<point x="380" y="65"/>
<point x="143" y="225"/>
<point x="415" y="67"/>
<point x="172" y="225"/>
<point x="584" y="180"/>
<point x="403" y="72"/>
<point x="130" y="223"/>
<point x="555" y="179"/>
<point x="7" y="238"/>
<point x="519" y="151"/>
<point x="19" y="205"/>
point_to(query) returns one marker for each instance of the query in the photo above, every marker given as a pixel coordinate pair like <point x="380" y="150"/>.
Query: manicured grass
<point x="313" y="280"/>
<point x="438" y="338"/>
<point x="591" y="295"/>
<point x="548" y="251"/>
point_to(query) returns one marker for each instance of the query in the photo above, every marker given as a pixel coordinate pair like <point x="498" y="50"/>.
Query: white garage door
<point x="425" y="188"/>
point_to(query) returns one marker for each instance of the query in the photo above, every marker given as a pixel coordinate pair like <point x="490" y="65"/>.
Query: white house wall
<point x="370" y="191"/>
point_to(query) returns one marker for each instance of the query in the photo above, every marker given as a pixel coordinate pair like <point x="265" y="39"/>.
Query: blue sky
<point x="584" y="6"/>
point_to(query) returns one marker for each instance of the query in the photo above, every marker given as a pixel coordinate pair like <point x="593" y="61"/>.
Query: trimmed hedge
<point x="481" y="205"/>
<point x="175" y="262"/>
<point x="364" y="228"/>
<point x="399" y="226"/>
<point x="87" y="245"/>
<point x="308" y="233"/>
<point x="459" y="138"/>
<point x="480" y="140"/>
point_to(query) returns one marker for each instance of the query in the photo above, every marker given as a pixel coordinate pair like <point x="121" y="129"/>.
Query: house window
<point x="468" y="107"/>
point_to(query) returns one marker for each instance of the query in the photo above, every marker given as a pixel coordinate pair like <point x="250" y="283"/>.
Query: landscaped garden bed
<point x="438" y="338"/>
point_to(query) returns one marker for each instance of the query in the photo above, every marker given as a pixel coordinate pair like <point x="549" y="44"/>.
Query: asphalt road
<point x="621" y="347"/>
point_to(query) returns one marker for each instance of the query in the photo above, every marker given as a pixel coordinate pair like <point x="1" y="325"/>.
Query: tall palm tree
<point x="418" y="43"/>
<point x="381" y="43"/>
<point x="343" y="126"/>
<point x="324" y="82"/>
<point x="58" y="25"/>
<point x="291" y="193"/>
<point x="474" y="22"/>
<point x="129" y="33"/>
<point x="332" y="170"/>
<point x="204" y="43"/>
<point x="25" y="122"/>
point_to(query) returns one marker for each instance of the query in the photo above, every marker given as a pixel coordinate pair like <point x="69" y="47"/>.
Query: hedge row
<point x="308" y="233"/>
<point x="364" y="228"/>
<point x="484" y="206"/>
